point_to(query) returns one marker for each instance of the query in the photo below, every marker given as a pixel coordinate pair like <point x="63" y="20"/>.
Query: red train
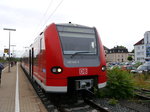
<point x="66" y="57"/>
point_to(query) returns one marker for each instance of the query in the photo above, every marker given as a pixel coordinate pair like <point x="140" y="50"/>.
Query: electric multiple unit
<point x="66" y="57"/>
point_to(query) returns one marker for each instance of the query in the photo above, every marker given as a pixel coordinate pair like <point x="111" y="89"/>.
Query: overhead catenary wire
<point x="50" y="15"/>
<point x="47" y="9"/>
<point x="44" y="15"/>
<point x="53" y="12"/>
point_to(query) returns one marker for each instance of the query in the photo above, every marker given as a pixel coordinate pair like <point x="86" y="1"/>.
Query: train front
<point x="77" y="59"/>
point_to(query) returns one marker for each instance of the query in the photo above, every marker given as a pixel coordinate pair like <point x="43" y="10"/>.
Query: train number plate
<point x="83" y="71"/>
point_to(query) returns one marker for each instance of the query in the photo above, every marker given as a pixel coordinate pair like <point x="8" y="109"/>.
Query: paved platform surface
<point x="28" y="99"/>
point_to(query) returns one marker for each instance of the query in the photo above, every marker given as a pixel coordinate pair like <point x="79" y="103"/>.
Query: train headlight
<point x="59" y="70"/>
<point x="103" y="68"/>
<point x="56" y="70"/>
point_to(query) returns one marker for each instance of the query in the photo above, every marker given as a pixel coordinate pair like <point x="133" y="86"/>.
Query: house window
<point x="138" y="53"/>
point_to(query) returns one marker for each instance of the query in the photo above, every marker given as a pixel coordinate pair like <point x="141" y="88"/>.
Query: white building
<point x="142" y="48"/>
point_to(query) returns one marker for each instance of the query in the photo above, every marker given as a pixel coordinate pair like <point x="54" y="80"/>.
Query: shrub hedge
<point x="120" y="85"/>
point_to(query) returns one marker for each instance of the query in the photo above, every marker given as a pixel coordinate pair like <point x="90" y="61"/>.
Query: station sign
<point x="6" y="50"/>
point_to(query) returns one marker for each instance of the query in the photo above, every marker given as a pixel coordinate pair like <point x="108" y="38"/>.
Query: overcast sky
<point x="119" y="22"/>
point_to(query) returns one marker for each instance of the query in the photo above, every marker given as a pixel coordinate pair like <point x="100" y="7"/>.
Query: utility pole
<point x="9" y="45"/>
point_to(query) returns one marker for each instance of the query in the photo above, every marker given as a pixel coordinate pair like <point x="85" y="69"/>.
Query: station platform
<point x="17" y="94"/>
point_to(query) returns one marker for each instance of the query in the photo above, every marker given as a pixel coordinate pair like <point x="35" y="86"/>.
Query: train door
<point x="30" y="67"/>
<point x="31" y="62"/>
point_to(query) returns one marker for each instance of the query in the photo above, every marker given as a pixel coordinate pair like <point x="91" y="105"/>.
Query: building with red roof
<point x="142" y="48"/>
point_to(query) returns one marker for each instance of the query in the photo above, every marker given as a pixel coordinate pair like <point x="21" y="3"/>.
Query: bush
<point x="112" y="102"/>
<point x="119" y="85"/>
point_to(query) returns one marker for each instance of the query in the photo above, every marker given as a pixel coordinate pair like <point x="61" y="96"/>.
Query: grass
<point x="142" y="81"/>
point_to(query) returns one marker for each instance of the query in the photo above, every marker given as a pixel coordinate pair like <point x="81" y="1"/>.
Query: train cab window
<point x="77" y="39"/>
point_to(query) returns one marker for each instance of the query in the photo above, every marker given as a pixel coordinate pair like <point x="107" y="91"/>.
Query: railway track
<point x="86" y="102"/>
<point x="54" y="105"/>
<point x="85" y="105"/>
<point x="143" y="93"/>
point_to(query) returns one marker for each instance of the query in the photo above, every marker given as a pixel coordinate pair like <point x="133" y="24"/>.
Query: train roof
<point x="73" y="25"/>
<point x="67" y="25"/>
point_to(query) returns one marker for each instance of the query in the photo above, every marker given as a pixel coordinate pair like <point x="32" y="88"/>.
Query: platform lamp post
<point x="9" y="45"/>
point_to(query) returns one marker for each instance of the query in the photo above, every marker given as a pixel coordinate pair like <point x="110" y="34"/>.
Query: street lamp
<point x="9" y="45"/>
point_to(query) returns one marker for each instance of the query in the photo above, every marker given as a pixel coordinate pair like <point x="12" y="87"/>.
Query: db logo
<point x="83" y="71"/>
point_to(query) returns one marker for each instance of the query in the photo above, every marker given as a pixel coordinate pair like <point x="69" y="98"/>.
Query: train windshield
<point x="77" y="40"/>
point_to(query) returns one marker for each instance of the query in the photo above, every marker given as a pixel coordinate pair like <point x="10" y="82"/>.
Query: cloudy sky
<point x="119" y="22"/>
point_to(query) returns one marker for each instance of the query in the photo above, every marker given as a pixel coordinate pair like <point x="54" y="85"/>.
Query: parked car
<point x="128" y="67"/>
<point x="147" y="63"/>
<point x="141" y="69"/>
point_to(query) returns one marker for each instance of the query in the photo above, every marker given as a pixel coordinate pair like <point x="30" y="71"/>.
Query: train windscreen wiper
<point x="80" y="52"/>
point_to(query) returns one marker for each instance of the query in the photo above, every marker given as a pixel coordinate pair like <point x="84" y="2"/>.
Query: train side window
<point x="40" y="44"/>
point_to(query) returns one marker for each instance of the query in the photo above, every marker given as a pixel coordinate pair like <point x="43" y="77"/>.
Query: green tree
<point x="130" y="58"/>
<point x="132" y="51"/>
